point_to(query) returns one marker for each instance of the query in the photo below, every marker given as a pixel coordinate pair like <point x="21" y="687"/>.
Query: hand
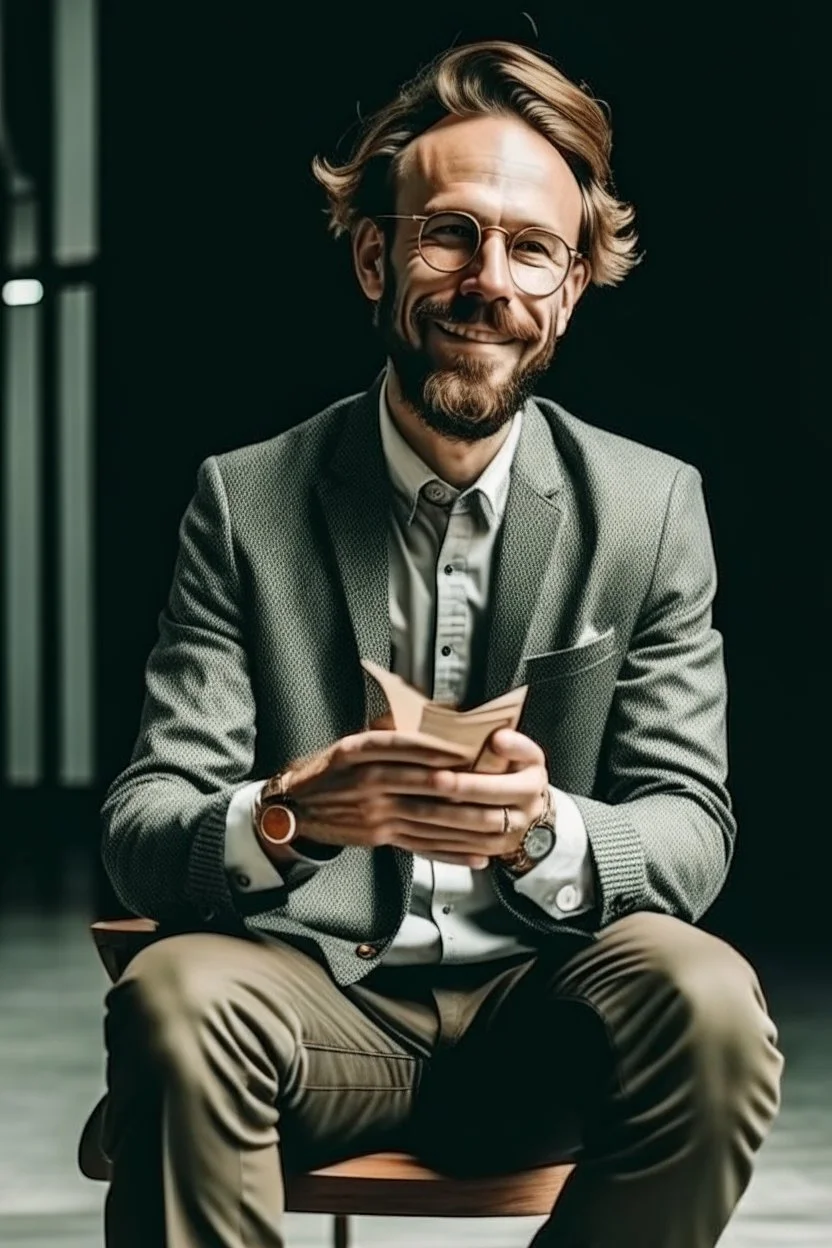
<point x="345" y="794"/>
<point x="478" y="800"/>
<point x="383" y="787"/>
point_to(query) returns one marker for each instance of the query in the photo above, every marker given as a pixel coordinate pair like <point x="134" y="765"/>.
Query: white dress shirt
<point x="441" y="545"/>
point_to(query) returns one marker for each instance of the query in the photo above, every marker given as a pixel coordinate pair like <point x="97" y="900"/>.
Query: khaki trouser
<point x="648" y="1056"/>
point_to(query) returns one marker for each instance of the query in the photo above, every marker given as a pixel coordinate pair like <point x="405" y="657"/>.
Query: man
<point x="375" y="946"/>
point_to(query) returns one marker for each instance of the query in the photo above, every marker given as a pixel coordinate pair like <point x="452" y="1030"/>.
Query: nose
<point x="488" y="274"/>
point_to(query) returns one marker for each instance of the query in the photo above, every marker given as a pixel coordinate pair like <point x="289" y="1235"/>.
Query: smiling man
<point x="367" y="946"/>
<point x="474" y="293"/>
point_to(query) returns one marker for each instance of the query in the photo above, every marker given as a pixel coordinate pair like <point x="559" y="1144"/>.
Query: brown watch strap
<point x="275" y="787"/>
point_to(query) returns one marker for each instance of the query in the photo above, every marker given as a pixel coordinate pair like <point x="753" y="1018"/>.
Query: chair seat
<point x="398" y="1186"/>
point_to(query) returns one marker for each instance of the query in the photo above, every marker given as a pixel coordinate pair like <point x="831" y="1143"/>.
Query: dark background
<point x="227" y="313"/>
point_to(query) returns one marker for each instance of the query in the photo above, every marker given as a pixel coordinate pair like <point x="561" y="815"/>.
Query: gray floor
<point x="51" y="1072"/>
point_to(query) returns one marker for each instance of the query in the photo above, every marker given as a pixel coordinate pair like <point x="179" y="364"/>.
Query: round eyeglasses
<point x="539" y="260"/>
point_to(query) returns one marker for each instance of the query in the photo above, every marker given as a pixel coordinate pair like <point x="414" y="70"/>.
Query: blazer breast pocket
<point x="559" y="664"/>
<point x="567" y="707"/>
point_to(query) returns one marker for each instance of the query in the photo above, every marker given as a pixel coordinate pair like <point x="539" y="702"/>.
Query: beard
<point x="462" y="401"/>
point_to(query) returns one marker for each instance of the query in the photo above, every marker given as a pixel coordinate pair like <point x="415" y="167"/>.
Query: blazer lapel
<point x="354" y="496"/>
<point x="528" y="577"/>
<point x="355" y="499"/>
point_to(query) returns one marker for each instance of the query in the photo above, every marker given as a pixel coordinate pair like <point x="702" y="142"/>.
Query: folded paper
<point x="468" y="731"/>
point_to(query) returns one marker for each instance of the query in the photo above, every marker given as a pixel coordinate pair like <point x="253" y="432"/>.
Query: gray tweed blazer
<point x="280" y="587"/>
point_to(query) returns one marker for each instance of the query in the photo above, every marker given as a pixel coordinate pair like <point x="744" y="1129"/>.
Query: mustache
<point x="465" y="311"/>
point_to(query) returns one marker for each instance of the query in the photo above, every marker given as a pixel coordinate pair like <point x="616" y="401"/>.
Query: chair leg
<point x="342" y="1231"/>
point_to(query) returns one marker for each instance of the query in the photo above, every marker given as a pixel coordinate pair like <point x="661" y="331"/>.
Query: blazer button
<point x="366" y="951"/>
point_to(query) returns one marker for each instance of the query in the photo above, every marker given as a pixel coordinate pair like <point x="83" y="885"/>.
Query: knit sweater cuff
<point x="618" y="855"/>
<point x="207" y="884"/>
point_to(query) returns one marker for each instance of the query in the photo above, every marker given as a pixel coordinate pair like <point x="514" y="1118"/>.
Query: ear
<point x="368" y="258"/>
<point x="571" y="291"/>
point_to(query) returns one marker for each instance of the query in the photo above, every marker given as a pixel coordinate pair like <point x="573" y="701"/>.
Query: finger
<point x="416" y="793"/>
<point x="443" y="841"/>
<point x="355" y="784"/>
<point x="514" y="788"/>
<point x="417" y="779"/>
<point x="459" y="857"/>
<point x="482" y="820"/>
<point x="387" y="746"/>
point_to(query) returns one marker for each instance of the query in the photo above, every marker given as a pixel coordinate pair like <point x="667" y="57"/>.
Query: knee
<point x="733" y="1035"/>
<point x="726" y="1029"/>
<point x="184" y="997"/>
<point x="166" y="994"/>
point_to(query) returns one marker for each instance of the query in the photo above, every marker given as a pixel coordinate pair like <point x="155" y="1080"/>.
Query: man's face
<point x="504" y="173"/>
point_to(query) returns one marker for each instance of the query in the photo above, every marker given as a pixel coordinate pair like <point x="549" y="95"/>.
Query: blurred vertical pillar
<point x="22" y="543"/>
<point x="75" y="242"/>
<point x="21" y="353"/>
<point x="49" y="249"/>
<point x="76" y="569"/>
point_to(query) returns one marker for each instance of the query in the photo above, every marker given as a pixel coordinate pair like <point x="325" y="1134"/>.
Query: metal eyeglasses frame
<point x="511" y="238"/>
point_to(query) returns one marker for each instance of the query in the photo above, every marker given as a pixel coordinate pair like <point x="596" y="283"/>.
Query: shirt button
<point x="446" y="650"/>
<point x="448" y="569"/>
<point x="366" y="951"/>
<point x="568" y="898"/>
<point x="447" y="909"/>
<point x="243" y="880"/>
<point x="435" y="492"/>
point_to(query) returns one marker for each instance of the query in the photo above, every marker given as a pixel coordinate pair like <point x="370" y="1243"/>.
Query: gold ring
<point x="506" y="821"/>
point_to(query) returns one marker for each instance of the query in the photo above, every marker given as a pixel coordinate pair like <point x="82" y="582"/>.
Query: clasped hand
<point x="383" y="787"/>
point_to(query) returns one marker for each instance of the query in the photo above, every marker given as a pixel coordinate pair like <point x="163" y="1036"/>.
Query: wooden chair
<point x="380" y="1184"/>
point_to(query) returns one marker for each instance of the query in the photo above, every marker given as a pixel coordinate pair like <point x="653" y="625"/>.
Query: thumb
<point x="515" y="746"/>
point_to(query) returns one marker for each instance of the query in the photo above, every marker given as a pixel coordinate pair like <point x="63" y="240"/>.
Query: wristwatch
<point x="274" y="813"/>
<point x="276" y="823"/>
<point x="536" y="844"/>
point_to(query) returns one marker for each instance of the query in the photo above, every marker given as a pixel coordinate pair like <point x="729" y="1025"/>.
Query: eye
<point x="532" y="247"/>
<point x="540" y="247"/>
<point x="449" y="232"/>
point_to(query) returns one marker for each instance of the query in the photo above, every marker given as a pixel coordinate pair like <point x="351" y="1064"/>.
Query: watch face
<point x="539" y="840"/>
<point x="277" y="824"/>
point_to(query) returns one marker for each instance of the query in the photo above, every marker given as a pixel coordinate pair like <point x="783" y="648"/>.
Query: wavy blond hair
<point x="498" y="77"/>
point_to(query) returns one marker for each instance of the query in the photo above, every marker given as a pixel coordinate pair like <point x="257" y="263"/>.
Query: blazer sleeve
<point x="164" y="817"/>
<point x="660" y="822"/>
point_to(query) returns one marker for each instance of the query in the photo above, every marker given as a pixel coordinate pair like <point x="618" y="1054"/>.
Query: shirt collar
<point x="409" y="473"/>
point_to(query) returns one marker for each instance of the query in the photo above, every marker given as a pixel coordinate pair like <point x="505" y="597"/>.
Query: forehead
<point x="498" y="167"/>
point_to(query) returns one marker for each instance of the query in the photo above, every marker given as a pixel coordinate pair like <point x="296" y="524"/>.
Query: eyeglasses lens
<point x="538" y="260"/>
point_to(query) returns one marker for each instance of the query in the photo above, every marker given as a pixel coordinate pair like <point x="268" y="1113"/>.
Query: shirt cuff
<point x="563" y="883"/>
<point x="247" y="867"/>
